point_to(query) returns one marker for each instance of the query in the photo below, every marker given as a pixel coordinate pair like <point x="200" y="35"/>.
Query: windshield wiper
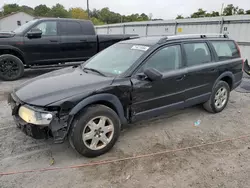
<point x="94" y="70"/>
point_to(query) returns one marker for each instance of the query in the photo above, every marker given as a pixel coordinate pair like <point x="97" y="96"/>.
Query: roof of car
<point x="152" y="40"/>
<point x="63" y="19"/>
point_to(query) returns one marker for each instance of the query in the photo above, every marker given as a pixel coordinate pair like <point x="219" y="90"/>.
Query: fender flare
<point x="224" y="74"/>
<point x="9" y="47"/>
<point x="101" y="97"/>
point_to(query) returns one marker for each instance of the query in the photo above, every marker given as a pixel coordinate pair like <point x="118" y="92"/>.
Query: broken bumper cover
<point x="35" y="131"/>
<point x="33" y="122"/>
<point x="58" y="129"/>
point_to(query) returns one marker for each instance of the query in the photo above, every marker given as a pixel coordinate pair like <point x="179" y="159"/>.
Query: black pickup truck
<point x="50" y="41"/>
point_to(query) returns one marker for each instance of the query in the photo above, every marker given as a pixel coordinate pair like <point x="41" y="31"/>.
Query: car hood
<point x="6" y="34"/>
<point x="58" y="85"/>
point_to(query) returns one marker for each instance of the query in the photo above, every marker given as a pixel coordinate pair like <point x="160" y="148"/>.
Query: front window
<point x="166" y="59"/>
<point x="116" y="59"/>
<point x="48" y="28"/>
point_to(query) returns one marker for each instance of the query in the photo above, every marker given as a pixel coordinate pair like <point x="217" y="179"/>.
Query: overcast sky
<point x="165" y="9"/>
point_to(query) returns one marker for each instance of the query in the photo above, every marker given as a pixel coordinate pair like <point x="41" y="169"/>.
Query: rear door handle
<point x="83" y="40"/>
<point x="53" y="40"/>
<point x="180" y="78"/>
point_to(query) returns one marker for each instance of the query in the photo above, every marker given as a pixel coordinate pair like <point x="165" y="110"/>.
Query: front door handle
<point x="212" y="70"/>
<point x="83" y="40"/>
<point x="180" y="78"/>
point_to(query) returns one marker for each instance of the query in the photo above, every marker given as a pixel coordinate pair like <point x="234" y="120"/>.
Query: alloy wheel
<point x="8" y="68"/>
<point x="221" y="97"/>
<point x="98" y="133"/>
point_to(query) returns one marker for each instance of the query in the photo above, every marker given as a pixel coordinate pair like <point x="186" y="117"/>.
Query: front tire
<point x="95" y="131"/>
<point x="219" y="97"/>
<point x="11" y="67"/>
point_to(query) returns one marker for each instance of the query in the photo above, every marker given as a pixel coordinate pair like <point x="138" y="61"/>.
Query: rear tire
<point x="219" y="97"/>
<point x="11" y="67"/>
<point x="95" y="131"/>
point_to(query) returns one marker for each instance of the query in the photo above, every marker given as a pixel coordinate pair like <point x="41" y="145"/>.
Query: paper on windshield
<point x="140" y="47"/>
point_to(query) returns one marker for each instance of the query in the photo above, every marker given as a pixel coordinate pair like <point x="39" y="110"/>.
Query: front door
<point x="44" y="50"/>
<point x="202" y="72"/>
<point x="152" y="98"/>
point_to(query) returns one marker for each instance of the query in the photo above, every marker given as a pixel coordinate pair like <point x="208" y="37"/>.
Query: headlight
<point x="34" y="116"/>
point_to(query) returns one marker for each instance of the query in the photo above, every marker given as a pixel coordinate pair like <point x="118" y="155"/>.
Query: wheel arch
<point x="108" y="100"/>
<point x="227" y="77"/>
<point x="13" y="51"/>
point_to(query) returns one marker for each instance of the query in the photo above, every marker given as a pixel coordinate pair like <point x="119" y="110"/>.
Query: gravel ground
<point x="221" y="165"/>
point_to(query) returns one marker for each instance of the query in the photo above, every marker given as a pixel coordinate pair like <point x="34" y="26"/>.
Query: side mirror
<point x="246" y="67"/>
<point x="34" y="33"/>
<point x="141" y="76"/>
<point x="153" y="74"/>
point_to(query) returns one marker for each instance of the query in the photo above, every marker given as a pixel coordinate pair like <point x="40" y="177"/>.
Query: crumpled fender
<point x="101" y="97"/>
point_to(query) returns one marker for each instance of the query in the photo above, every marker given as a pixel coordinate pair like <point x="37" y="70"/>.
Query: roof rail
<point x="207" y="35"/>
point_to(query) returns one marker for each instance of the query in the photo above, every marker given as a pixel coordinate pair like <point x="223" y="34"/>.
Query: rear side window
<point x="226" y="49"/>
<point x="197" y="53"/>
<point x="70" y="28"/>
<point x="88" y="28"/>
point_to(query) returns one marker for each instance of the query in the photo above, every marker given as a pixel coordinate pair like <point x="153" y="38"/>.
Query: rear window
<point x="70" y="28"/>
<point x="226" y="49"/>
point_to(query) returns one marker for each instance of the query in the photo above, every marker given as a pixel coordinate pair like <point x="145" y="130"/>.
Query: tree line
<point x="98" y="17"/>
<point x="229" y="10"/>
<point x="105" y="16"/>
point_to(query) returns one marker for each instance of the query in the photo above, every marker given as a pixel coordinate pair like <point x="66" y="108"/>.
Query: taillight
<point x="238" y="48"/>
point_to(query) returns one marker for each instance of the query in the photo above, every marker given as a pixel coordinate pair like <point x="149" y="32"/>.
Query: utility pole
<point x="88" y="7"/>
<point x="1" y="10"/>
<point x="222" y="8"/>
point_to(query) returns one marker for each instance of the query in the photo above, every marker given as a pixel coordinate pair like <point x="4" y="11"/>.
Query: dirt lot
<point x="221" y="165"/>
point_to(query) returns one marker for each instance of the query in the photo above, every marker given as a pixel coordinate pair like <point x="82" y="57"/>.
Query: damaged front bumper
<point x="30" y="120"/>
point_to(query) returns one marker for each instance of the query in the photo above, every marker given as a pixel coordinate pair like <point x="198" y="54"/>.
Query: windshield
<point x="116" y="59"/>
<point x="24" y="26"/>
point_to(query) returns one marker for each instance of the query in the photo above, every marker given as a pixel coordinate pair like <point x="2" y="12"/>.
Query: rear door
<point x="202" y="71"/>
<point x="152" y="98"/>
<point x="75" y="45"/>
